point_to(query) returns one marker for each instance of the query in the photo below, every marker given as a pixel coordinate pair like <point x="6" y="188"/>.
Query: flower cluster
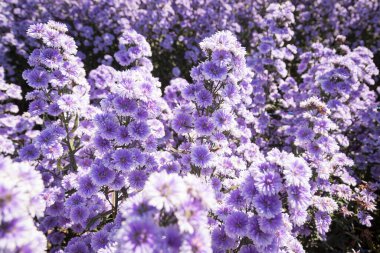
<point x="272" y="83"/>
<point x="114" y="151"/>
<point x="57" y="74"/>
<point x="169" y="215"/>
<point x="16" y="130"/>
<point x="20" y="200"/>
<point x="342" y="78"/>
<point x="132" y="47"/>
<point x="129" y="127"/>
<point x="60" y="97"/>
<point x="133" y="53"/>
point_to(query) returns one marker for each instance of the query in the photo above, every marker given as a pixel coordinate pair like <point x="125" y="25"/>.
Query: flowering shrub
<point x="189" y="126"/>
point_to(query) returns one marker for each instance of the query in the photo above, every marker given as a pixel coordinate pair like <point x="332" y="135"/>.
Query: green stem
<point x="116" y="203"/>
<point x="69" y="143"/>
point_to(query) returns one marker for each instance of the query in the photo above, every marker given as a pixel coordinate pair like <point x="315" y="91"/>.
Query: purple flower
<point x="255" y="233"/>
<point x="104" y="118"/>
<point x="101" y="175"/>
<point x="37" y="78"/>
<point x="249" y="190"/>
<point x="322" y="222"/>
<point x="236" y="224"/>
<point x="203" y="98"/>
<point x="77" y="247"/>
<point x="221" y="240"/>
<point x="86" y="187"/>
<point x="102" y="77"/>
<point x="250" y="248"/>
<point x="54" y="110"/>
<point x="297" y="172"/>
<point x="267" y="206"/>
<point x="141" y="114"/>
<point x="125" y="106"/>
<point x="123" y="58"/>
<point x="223" y="119"/>
<point x="171" y="167"/>
<point x="273" y="247"/>
<point x="107" y="124"/>
<point x="53" y="151"/>
<point x="190" y="90"/>
<point x="305" y="134"/>
<point x="56" y="237"/>
<point x="365" y="218"/>
<point x="182" y="123"/>
<point x="216" y="184"/>
<point x="298" y="217"/>
<point x="79" y="214"/>
<point x="204" y="125"/>
<point x="56" y="209"/>
<point x="38" y="107"/>
<point x="69" y="103"/>
<point x="51" y="58"/>
<point x="122" y="136"/>
<point x="138" y="130"/>
<point x="14" y="91"/>
<point x="123" y="159"/>
<point x="214" y="71"/>
<point x="19" y="233"/>
<point x="299" y="197"/>
<point x="231" y="92"/>
<point x="265" y="46"/>
<point x="74" y="200"/>
<point x="118" y="182"/>
<point x="140" y="236"/>
<point x="138" y="157"/>
<point x="271" y="225"/>
<point x="101" y="144"/>
<point x="46" y="138"/>
<point x="201" y="156"/>
<point x="58" y="79"/>
<point x="223" y="125"/>
<point x="197" y="242"/>
<point x="314" y="149"/>
<point x="236" y="199"/>
<point x="99" y="240"/>
<point x="137" y="179"/>
<point x="222" y="56"/>
<point x="268" y="183"/>
<point x="29" y="153"/>
<point x="172" y="239"/>
<point x="36" y="30"/>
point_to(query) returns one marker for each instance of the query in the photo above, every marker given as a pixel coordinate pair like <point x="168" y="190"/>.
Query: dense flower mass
<point x="189" y="126"/>
<point x="21" y="200"/>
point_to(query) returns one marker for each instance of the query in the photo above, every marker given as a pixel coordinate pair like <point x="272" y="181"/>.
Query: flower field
<point x="189" y="126"/>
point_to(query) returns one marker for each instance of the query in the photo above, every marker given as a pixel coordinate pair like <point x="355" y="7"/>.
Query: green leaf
<point x="76" y="124"/>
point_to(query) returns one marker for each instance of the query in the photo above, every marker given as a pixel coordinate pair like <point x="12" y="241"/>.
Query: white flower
<point x="165" y="190"/>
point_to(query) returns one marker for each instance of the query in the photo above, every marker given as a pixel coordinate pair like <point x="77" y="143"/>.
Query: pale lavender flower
<point x="268" y="183"/>
<point x="297" y="172"/>
<point x="165" y="190"/>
